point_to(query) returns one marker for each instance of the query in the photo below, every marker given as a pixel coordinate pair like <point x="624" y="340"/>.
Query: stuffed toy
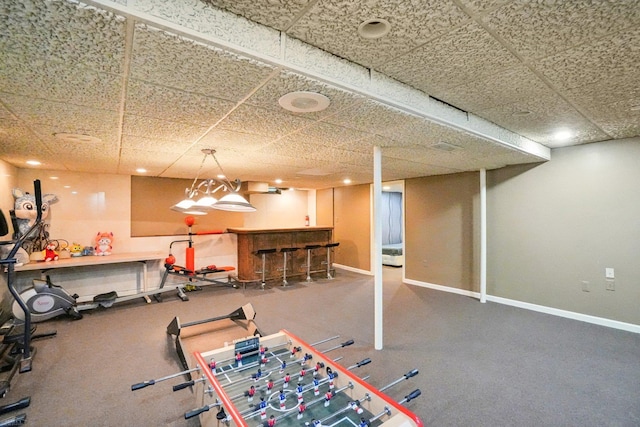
<point x="103" y="243"/>
<point x="50" y="253"/>
<point x="76" y="249"/>
<point x="25" y="210"/>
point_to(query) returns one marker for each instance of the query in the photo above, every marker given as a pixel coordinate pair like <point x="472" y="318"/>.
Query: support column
<point x="377" y="245"/>
<point x="483" y="235"/>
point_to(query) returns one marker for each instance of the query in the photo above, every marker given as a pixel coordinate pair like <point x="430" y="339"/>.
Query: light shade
<point x="234" y="202"/>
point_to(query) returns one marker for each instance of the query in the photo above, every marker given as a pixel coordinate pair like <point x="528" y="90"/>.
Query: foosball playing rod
<point x="195" y="412"/>
<point x="415" y="393"/>
<point x="325" y="340"/>
<point x="251" y="353"/>
<point x="152" y="382"/>
<point x="344" y="344"/>
<point x="406" y="376"/>
<point x="359" y="364"/>
<point x="189" y="383"/>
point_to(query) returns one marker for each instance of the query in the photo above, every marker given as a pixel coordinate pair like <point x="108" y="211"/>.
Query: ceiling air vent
<point x="445" y="146"/>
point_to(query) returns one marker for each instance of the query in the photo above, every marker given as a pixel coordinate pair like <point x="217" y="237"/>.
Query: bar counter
<point x="250" y="240"/>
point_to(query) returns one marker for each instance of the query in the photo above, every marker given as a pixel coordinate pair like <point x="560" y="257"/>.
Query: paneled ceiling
<point x="455" y="85"/>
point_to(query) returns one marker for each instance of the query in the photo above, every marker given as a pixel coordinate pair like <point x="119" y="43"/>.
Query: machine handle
<point x="201" y="233"/>
<point x="411" y="373"/>
<point x="415" y="393"/>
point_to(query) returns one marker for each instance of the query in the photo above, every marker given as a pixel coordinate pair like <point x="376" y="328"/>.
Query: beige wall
<point x="324" y="210"/>
<point x="441" y="223"/>
<point x="557" y="225"/>
<point x="8" y="180"/>
<point x="278" y="210"/>
<point x="352" y="226"/>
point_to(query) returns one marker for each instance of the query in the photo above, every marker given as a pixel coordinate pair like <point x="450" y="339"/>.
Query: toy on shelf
<point x="76" y="249"/>
<point x="49" y="252"/>
<point x="103" y="243"/>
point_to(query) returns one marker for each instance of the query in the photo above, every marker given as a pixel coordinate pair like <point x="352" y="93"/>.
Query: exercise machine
<point x="46" y="301"/>
<point x="188" y="271"/>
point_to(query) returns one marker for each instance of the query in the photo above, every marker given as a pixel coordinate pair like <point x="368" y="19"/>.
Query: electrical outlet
<point x="610" y="285"/>
<point x="585" y="286"/>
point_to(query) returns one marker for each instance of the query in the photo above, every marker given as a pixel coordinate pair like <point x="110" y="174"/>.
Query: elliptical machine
<point x="46" y="301"/>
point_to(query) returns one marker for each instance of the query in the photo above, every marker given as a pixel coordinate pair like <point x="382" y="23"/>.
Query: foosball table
<point x="244" y="378"/>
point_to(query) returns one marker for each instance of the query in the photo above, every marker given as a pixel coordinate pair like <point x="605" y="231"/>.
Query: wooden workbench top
<point x="92" y="260"/>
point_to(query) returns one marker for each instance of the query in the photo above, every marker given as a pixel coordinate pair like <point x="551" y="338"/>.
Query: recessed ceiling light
<point x="141" y="170"/>
<point x="77" y="138"/>
<point x="33" y="162"/>
<point x="53" y="177"/>
<point x="522" y="113"/>
<point x="562" y="135"/>
<point x="304" y="102"/>
<point x="347" y="181"/>
<point x="374" y="28"/>
<point x="278" y="181"/>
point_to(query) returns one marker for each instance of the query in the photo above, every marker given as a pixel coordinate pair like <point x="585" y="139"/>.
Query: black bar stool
<point x="309" y="248"/>
<point x="285" y="252"/>
<point x="329" y="247"/>
<point x="263" y="253"/>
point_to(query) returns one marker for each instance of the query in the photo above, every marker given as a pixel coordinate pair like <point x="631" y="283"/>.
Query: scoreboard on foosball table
<point x="241" y="378"/>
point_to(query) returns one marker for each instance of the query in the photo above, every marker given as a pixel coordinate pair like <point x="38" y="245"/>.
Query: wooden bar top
<point x="276" y="230"/>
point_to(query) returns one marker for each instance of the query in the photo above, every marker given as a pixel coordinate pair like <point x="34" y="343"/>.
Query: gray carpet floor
<point x="480" y="364"/>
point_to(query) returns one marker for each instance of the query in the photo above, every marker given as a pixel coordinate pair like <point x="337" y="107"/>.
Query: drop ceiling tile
<point x="164" y="103"/>
<point x="311" y="151"/>
<point x="155" y="162"/>
<point x="57" y="81"/>
<point x="606" y="62"/>
<point x="332" y="25"/>
<point x="165" y="130"/>
<point x="261" y="121"/>
<point x="70" y="32"/>
<point x="63" y="117"/>
<point x="543" y="28"/>
<point x="468" y="53"/>
<point x="19" y="142"/>
<point x="169" y="60"/>
<point x="547" y="116"/>
<point x="329" y="135"/>
<point x="371" y="117"/>
<point x="231" y="140"/>
<point x="482" y="6"/>
<point x="154" y="145"/>
<point x="504" y="87"/>
<point x="285" y="82"/>
<point x="393" y="169"/>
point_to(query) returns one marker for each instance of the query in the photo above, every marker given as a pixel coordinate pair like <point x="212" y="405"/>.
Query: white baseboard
<point x="629" y="327"/>
<point x="355" y="270"/>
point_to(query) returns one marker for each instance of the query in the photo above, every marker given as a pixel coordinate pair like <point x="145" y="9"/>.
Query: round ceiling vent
<point x="304" y="102"/>
<point x="374" y="28"/>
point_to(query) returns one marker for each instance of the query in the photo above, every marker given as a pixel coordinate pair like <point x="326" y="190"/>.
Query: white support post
<point x="377" y="245"/>
<point x="483" y="235"/>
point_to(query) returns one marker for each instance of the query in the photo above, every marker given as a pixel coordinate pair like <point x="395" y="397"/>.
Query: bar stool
<point x="329" y="247"/>
<point x="263" y="253"/>
<point x="285" y="252"/>
<point x="309" y="248"/>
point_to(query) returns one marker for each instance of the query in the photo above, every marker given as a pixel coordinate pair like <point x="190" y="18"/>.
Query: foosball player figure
<point x="257" y="375"/>
<point x="262" y="351"/>
<point x="264" y="361"/>
<point x="299" y="391"/>
<point x="283" y="366"/>
<point x="307" y="357"/>
<point x="272" y="421"/>
<point x="316" y="369"/>
<point x="331" y="376"/>
<point x="327" y="398"/>
<point x="238" y="359"/>
<point x="355" y="405"/>
<point x="294" y="350"/>
<point x="262" y="406"/>
<point x="250" y="393"/>
<point x="212" y="366"/>
<point x="301" y="408"/>
<point x="283" y="399"/>
<point x="316" y="423"/>
<point x="302" y="374"/>
<point x="363" y="422"/>
<point x="269" y="386"/>
<point x="286" y="380"/>
<point x="316" y="387"/>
